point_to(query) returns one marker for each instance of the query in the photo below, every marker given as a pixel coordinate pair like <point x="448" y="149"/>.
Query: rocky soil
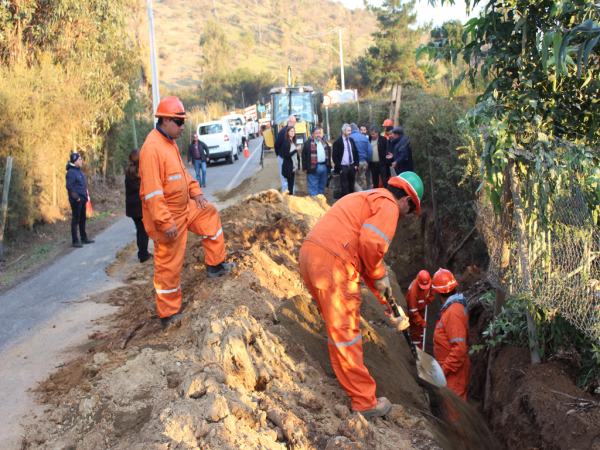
<point x="246" y="368"/>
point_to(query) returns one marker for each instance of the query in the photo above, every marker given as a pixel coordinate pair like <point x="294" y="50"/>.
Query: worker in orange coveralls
<point x="451" y="336"/>
<point x="172" y="204"/>
<point x="419" y="295"/>
<point x="348" y="242"/>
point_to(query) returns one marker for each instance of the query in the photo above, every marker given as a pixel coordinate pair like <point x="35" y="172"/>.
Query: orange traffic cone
<point x="246" y="151"/>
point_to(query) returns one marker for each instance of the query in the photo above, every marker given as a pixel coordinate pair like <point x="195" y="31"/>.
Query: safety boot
<point x="166" y="321"/>
<point x="382" y="407"/>
<point x="222" y="269"/>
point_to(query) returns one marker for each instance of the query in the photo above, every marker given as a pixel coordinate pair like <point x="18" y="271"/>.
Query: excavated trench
<point x="249" y="367"/>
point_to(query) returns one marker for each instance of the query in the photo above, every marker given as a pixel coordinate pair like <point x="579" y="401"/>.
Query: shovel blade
<point x="429" y="369"/>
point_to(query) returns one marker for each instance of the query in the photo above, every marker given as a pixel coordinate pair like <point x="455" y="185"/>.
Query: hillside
<point x="179" y="24"/>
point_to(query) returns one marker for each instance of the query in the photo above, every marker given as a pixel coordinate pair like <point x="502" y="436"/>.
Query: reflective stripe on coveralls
<point x="416" y="300"/>
<point x="335" y="286"/>
<point x="350" y="240"/>
<point x="450" y="344"/>
<point x="168" y="203"/>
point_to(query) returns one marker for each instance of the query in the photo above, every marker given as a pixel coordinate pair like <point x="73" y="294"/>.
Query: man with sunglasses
<point x="172" y="204"/>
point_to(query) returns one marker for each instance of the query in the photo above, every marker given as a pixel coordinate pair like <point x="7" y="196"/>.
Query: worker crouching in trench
<point x="347" y="243"/>
<point x="172" y="204"/>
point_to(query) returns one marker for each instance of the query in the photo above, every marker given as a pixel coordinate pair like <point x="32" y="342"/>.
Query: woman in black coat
<point x="133" y="204"/>
<point x="289" y="152"/>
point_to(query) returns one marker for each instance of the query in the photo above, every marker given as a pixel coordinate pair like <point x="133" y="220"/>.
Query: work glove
<point x="400" y="323"/>
<point x="383" y="287"/>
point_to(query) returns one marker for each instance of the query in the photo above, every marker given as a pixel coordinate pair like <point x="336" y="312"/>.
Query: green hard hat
<point x="415" y="181"/>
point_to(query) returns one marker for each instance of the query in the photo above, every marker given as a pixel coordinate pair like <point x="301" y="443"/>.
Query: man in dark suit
<point x="345" y="158"/>
<point x="380" y="164"/>
<point x="278" y="143"/>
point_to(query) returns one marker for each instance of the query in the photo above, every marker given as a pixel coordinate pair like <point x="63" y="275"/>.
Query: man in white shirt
<point x="345" y="158"/>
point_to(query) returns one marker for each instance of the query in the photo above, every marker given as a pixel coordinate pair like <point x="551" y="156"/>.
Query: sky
<point x="425" y="12"/>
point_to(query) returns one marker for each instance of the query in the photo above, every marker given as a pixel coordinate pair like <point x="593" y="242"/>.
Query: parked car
<point x="239" y="121"/>
<point x="252" y="126"/>
<point x="220" y="140"/>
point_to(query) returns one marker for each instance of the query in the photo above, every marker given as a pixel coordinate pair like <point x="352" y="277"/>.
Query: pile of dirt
<point x="267" y="178"/>
<point x="246" y="368"/>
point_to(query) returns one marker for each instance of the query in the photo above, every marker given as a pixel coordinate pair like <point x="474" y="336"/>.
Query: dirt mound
<point x="236" y="372"/>
<point x="530" y="406"/>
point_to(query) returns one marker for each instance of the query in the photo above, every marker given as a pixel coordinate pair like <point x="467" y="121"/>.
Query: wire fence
<point x="561" y="206"/>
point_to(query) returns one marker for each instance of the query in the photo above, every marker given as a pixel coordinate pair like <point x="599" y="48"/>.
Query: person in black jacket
<point x="78" y="197"/>
<point x="133" y="204"/>
<point x="198" y="152"/>
<point x="289" y="152"/>
<point x="345" y="158"/>
<point x="277" y="145"/>
<point x="380" y="167"/>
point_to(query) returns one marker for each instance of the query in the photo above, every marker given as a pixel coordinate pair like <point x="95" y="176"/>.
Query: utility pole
<point x="342" y="60"/>
<point x="243" y="101"/>
<point x="155" y="91"/>
<point x="134" y="133"/>
<point x="341" y="53"/>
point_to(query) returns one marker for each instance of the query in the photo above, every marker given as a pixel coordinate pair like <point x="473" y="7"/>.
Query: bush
<point x="42" y="123"/>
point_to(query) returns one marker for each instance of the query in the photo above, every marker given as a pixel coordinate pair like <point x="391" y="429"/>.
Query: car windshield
<point x="214" y="128"/>
<point x="233" y="125"/>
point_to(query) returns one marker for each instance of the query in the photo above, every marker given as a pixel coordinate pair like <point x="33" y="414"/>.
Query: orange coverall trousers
<point x="335" y="286"/>
<point x="169" y="253"/>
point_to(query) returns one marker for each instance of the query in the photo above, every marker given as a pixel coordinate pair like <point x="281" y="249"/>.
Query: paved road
<point x="81" y="272"/>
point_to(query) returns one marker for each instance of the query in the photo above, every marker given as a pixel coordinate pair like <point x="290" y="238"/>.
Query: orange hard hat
<point x="444" y="281"/>
<point x="424" y="279"/>
<point x="172" y="108"/>
<point x="388" y="123"/>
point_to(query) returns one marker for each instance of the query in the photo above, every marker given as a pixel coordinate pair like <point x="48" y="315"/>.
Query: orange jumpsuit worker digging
<point x="348" y="242"/>
<point x="451" y="336"/>
<point x="419" y="295"/>
<point x="172" y="204"/>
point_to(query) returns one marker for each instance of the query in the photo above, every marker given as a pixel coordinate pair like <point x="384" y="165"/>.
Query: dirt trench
<point x="246" y="368"/>
<point x="530" y="406"/>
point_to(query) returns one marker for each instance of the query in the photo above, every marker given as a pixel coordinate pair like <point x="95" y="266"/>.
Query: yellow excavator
<point x="291" y="100"/>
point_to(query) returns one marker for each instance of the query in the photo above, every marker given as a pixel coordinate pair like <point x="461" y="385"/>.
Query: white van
<point x="220" y="140"/>
<point x="240" y="121"/>
<point x="252" y="126"/>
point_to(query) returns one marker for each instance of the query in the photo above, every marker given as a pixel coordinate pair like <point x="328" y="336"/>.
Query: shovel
<point x="427" y="367"/>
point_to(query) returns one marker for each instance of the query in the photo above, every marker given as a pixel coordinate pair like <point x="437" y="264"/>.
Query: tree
<point x="390" y="60"/>
<point x="542" y="62"/>
<point x="215" y="48"/>
<point x="445" y="35"/>
<point x="248" y="42"/>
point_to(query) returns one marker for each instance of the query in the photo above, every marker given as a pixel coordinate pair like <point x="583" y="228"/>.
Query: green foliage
<point x="227" y="86"/>
<point x="248" y="42"/>
<point x="215" y="47"/>
<point x="66" y="69"/>
<point x="555" y="335"/>
<point x="542" y="61"/>
<point x="390" y="60"/>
